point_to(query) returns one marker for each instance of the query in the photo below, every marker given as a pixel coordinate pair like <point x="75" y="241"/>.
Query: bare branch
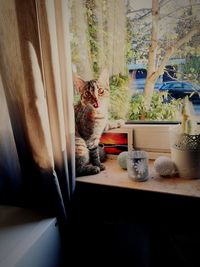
<point x="171" y="49"/>
<point x="177" y="10"/>
<point x="154" y="37"/>
<point x="164" y="2"/>
<point x="149" y="85"/>
<point x="162" y="16"/>
<point x="139" y="10"/>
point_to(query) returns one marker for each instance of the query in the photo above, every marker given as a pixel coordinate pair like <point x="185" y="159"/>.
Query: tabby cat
<point x="91" y="119"/>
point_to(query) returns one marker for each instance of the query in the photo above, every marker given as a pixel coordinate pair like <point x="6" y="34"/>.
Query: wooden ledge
<point x="115" y="176"/>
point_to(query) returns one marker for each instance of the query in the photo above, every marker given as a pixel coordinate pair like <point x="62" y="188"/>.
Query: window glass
<point x="177" y="86"/>
<point x="188" y="86"/>
<point x="141" y="74"/>
<point x="169" y="73"/>
<point x="144" y="62"/>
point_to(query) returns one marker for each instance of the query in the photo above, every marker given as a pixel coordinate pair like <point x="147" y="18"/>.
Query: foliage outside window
<point x="158" y="111"/>
<point x="120" y="97"/>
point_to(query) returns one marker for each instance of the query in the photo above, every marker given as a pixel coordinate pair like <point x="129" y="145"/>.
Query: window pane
<point x="141" y="74"/>
<point x="118" y="35"/>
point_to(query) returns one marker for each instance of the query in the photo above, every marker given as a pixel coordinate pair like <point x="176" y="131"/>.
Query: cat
<point x="91" y="119"/>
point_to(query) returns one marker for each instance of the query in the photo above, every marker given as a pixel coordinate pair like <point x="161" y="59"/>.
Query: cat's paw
<point x="102" y="167"/>
<point x="95" y="169"/>
<point x="87" y="170"/>
<point x="114" y="124"/>
<point x="120" y="123"/>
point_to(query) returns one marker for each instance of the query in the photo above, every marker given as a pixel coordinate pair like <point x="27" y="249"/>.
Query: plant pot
<point x="185" y="153"/>
<point x="187" y="163"/>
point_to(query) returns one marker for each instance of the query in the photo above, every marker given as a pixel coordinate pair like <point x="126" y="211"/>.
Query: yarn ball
<point x="164" y="166"/>
<point x="122" y="159"/>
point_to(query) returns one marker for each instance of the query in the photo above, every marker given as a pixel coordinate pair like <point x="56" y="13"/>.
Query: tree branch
<point x="171" y="49"/>
<point x="177" y="10"/>
<point x="139" y="10"/>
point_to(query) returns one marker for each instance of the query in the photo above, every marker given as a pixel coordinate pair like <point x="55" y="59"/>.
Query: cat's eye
<point x="100" y="91"/>
<point x="86" y="94"/>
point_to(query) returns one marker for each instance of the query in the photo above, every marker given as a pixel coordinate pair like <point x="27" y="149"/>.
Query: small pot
<point x="185" y="153"/>
<point x="187" y="162"/>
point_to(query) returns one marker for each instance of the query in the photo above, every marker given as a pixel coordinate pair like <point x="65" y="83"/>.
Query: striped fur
<point x="91" y="115"/>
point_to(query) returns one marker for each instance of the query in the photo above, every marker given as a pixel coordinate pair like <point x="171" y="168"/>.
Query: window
<point x="118" y="35"/>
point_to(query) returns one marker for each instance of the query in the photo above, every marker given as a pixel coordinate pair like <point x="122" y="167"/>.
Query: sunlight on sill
<point x="115" y="176"/>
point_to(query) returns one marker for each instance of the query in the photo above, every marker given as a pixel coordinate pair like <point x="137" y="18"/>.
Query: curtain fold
<point x="10" y="171"/>
<point x="37" y="107"/>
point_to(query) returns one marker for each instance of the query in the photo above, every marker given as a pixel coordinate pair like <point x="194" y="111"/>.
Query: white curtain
<point x="37" y="117"/>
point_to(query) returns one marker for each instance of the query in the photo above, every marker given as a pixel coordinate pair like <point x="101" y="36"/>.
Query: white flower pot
<point x="185" y="153"/>
<point x="187" y="162"/>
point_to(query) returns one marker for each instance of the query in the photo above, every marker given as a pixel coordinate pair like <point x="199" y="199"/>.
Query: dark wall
<point x="132" y="227"/>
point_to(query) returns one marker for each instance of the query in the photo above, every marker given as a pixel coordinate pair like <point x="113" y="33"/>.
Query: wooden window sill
<point x="115" y="176"/>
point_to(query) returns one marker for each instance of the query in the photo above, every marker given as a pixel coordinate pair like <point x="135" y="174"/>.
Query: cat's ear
<point x="104" y="78"/>
<point x="78" y="83"/>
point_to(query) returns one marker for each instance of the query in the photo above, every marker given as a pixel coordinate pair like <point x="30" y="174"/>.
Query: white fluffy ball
<point x="164" y="166"/>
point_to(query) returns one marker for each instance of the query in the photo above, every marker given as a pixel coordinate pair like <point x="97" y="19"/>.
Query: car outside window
<point x="141" y="74"/>
<point x="177" y="86"/>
